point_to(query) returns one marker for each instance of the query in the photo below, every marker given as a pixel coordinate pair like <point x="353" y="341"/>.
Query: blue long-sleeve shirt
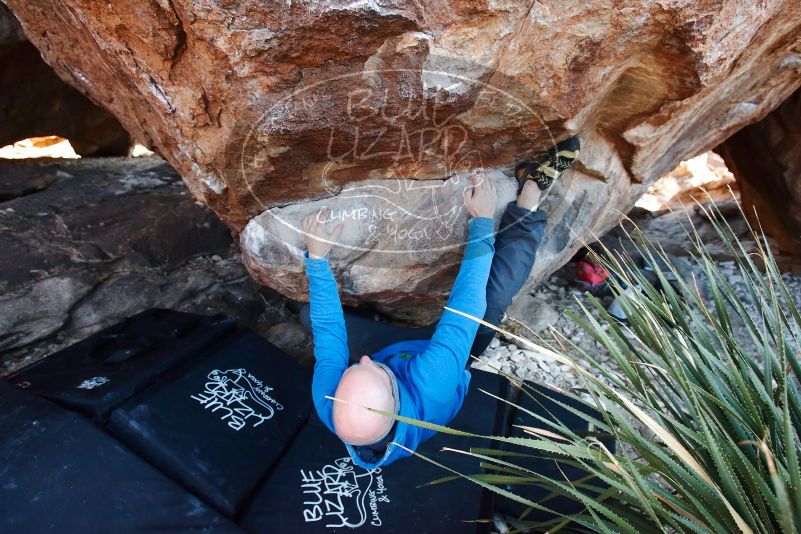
<point x="431" y="375"/>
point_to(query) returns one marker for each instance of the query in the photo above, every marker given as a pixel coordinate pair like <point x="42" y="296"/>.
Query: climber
<point x="420" y="373"/>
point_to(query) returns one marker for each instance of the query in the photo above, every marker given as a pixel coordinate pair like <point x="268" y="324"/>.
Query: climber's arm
<point x="438" y="370"/>
<point x="327" y="319"/>
<point x="440" y="367"/>
<point x="328" y="331"/>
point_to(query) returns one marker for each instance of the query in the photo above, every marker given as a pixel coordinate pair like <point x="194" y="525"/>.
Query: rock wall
<point x="766" y="159"/>
<point x="89" y="242"/>
<point x="35" y="102"/>
<point x="270" y="109"/>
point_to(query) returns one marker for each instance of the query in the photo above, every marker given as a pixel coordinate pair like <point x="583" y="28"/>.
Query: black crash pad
<point x="317" y="488"/>
<point x="217" y="424"/>
<point x="60" y="473"/>
<point x="100" y="372"/>
<point x="546" y="403"/>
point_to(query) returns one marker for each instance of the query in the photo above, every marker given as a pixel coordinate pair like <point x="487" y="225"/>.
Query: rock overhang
<point x="646" y="85"/>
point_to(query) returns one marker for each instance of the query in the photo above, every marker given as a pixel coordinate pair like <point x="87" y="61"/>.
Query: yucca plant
<point x="702" y="401"/>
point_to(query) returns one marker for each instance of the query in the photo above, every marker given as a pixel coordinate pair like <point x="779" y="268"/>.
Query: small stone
<point x="535" y="313"/>
<point x="286" y="336"/>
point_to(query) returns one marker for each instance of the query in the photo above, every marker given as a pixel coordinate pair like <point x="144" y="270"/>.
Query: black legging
<point x="516" y="244"/>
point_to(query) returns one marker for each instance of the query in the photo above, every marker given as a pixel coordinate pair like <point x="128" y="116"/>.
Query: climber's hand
<point x="318" y="239"/>
<point x="480" y="199"/>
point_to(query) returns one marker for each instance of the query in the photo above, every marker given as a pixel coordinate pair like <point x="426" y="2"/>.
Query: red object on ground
<point x="589" y="274"/>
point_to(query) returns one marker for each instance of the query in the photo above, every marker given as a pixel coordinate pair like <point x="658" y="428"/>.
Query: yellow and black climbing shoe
<point x="547" y="170"/>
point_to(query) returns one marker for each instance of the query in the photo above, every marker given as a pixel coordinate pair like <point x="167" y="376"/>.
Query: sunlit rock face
<point x="271" y="109"/>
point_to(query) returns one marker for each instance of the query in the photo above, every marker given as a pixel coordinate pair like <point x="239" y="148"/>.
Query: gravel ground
<point x="546" y="317"/>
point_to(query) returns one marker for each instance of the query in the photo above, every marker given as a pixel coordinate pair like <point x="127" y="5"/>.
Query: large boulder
<point x="766" y="159"/>
<point x="271" y="109"/>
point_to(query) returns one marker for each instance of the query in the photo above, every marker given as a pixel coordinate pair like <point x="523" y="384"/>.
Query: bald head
<point x="367" y="384"/>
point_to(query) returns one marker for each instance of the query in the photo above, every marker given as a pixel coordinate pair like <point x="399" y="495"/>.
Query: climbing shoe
<point x="547" y="170"/>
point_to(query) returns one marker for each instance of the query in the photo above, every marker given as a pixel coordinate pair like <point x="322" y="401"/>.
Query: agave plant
<point x="702" y="401"/>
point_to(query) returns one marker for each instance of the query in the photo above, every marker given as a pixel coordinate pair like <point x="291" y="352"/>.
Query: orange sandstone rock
<point x="270" y="109"/>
